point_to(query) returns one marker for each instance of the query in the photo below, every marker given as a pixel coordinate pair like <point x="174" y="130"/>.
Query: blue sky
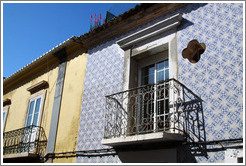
<point x="32" y="29"/>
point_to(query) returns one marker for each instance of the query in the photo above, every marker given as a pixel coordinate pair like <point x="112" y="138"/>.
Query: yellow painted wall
<point x="67" y="133"/>
<point x="68" y="126"/>
<point x="20" y="99"/>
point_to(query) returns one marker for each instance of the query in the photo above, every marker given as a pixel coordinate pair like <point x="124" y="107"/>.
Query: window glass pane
<point x="36" y="113"/>
<point x="31" y="108"/>
<point x="35" y="120"/>
<point x="160" y="76"/>
<point x="151" y="69"/>
<point x="37" y="105"/>
<point x="4" y="114"/>
<point x="148" y="75"/>
<point x="148" y="70"/>
<point x="29" y="120"/>
<point x="30" y="113"/>
<point x="166" y="74"/>
<point x="160" y="66"/>
<point x="151" y="79"/>
<point x="166" y="64"/>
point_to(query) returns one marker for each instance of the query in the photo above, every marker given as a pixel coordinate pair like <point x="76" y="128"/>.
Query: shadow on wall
<point x="149" y="156"/>
<point x="164" y="152"/>
<point x="191" y="110"/>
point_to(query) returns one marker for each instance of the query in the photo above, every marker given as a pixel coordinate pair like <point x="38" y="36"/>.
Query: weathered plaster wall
<point x="20" y="99"/>
<point x="67" y="134"/>
<point x="69" y="116"/>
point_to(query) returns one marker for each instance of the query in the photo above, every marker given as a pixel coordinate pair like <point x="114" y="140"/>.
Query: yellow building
<point x="37" y="118"/>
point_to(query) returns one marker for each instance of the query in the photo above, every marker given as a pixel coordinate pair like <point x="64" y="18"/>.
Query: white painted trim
<point x="152" y="137"/>
<point x="151" y="31"/>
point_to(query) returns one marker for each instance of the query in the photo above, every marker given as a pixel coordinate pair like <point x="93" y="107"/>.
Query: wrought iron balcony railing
<point x="168" y="106"/>
<point x="31" y="140"/>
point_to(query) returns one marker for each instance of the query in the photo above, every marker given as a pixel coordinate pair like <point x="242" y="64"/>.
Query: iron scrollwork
<point x="31" y="139"/>
<point x="168" y="106"/>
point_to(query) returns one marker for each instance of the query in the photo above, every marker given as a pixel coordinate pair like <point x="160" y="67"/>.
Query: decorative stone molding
<point x="41" y="85"/>
<point x="151" y="31"/>
<point x="6" y="102"/>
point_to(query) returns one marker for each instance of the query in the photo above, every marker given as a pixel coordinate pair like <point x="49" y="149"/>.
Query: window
<point x="35" y="105"/>
<point x="155" y="73"/>
<point x="154" y="109"/>
<point x="33" y="121"/>
<point x="34" y="111"/>
<point x="6" y="104"/>
<point x="5" y="111"/>
<point x="33" y="116"/>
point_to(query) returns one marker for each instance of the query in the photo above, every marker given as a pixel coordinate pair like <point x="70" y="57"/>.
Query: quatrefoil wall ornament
<point x="193" y="51"/>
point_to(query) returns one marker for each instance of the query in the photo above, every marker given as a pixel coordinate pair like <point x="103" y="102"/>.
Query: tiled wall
<point x="217" y="78"/>
<point x="104" y="76"/>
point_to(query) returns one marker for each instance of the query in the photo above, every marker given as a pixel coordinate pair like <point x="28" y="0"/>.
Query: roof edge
<point x="84" y="38"/>
<point x="39" y="60"/>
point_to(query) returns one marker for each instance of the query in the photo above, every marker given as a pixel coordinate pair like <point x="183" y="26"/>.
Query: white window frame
<point x="152" y="59"/>
<point x="5" y="110"/>
<point x="31" y="133"/>
<point x="33" y="97"/>
<point x="166" y="49"/>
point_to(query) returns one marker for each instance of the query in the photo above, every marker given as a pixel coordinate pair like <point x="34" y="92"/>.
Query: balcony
<point x="167" y="111"/>
<point x="25" y="142"/>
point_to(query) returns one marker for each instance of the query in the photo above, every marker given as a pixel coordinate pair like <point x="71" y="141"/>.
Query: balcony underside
<point x="22" y="158"/>
<point x="20" y="155"/>
<point x="143" y="138"/>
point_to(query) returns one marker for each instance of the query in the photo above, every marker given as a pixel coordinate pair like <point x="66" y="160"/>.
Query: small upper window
<point x="36" y="102"/>
<point x="4" y="116"/>
<point x="6" y="104"/>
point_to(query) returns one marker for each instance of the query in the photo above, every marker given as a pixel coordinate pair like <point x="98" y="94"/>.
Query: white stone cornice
<point x="149" y="32"/>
